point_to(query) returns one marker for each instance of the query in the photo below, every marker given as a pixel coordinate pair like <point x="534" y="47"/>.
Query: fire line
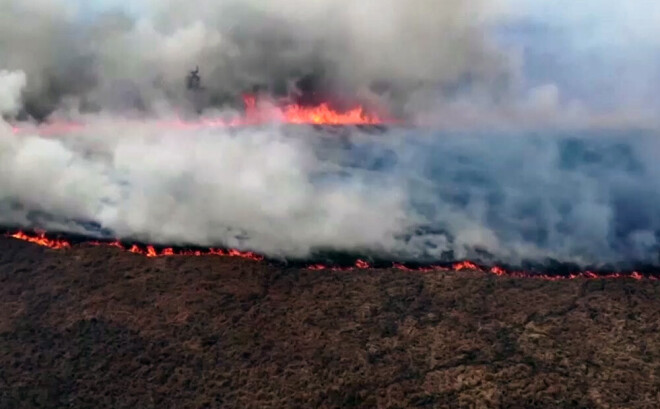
<point x="255" y="114"/>
<point x="150" y="251"/>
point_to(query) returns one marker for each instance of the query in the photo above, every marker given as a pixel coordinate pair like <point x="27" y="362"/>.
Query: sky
<point x="603" y="51"/>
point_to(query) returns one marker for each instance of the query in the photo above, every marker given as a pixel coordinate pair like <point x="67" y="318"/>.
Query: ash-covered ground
<point x="98" y="327"/>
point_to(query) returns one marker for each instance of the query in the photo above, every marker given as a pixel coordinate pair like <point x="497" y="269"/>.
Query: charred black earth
<point x="100" y="327"/>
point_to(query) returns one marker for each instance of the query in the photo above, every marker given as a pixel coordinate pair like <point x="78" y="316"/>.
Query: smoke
<point x="11" y="86"/>
<point x="523" y="190"/>
<point x="587" y="198"/>
<point x="390" y="52"/>
<point x="454" y="64"/>
<point x="255" y="189"/>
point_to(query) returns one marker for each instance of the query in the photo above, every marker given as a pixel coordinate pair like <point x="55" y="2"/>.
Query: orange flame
<point x="498" y="271"/>
<point x="321" y="114"/>
<point x="362" y="265"/>
<point x="42" y="240"/>
<point x="466" y="265"/>
<point x="151" y="251"/>
<point x="255" y="114"/>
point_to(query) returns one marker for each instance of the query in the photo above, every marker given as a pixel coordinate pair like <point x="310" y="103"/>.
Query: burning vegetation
<point x="410" y="193"/>
<point x="255" y="113"/>
<point x="458" y="261"/>
<point x="151" y="251"/>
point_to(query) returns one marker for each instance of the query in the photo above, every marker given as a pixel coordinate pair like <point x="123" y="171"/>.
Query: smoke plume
<point x="521" y="171"/>
<point x="385" y="50"/>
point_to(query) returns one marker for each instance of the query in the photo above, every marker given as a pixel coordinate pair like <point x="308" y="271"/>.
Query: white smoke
<point x="251" y="190"/>
<point x="585" y="197"/>
<point x="115" y="61"/>
<point x="11" y="86"/>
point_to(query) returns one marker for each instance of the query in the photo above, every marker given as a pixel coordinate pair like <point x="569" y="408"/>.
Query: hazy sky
<point x="604" y="52"/>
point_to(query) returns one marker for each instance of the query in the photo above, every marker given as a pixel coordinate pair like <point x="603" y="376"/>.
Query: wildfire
<point x="321" y="114"/>
<point x="255" y="114"/>
<point x="42" y="240"/>
<point x="465" y="265"/>
<point x="148" y="251"/>
<point x="152" y="252"/>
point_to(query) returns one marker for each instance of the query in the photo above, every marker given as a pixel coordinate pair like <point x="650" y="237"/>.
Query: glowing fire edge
<point x="321" y="114"/>
<point x="150" y="251"/>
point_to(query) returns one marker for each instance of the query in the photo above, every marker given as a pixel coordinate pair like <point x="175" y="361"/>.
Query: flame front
<point x="255" y="114"/>
<point x="42" y="240"/>
<point x="321" y="114"/>
<point x="151" y="252"/>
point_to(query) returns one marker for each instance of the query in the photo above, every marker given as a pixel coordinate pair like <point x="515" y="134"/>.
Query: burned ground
<point x="98" y="327"/>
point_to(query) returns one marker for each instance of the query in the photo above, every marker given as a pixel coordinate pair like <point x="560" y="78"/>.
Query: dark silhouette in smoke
<point x="193" y="80"/>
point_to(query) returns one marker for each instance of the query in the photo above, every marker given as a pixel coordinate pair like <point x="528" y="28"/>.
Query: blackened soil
<point x="95" y="327"/>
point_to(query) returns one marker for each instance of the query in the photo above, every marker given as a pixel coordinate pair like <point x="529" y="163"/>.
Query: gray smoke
<point x="582" y="195"/>
<point x="389" y="51"/>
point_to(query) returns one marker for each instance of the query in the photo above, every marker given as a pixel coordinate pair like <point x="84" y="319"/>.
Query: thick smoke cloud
<point x="255" y="189"/>
<point x="587" y="198"/>
<point x="390" y="51"/>
<point x="452" y="63"/>
<point x="584" y="195"/>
